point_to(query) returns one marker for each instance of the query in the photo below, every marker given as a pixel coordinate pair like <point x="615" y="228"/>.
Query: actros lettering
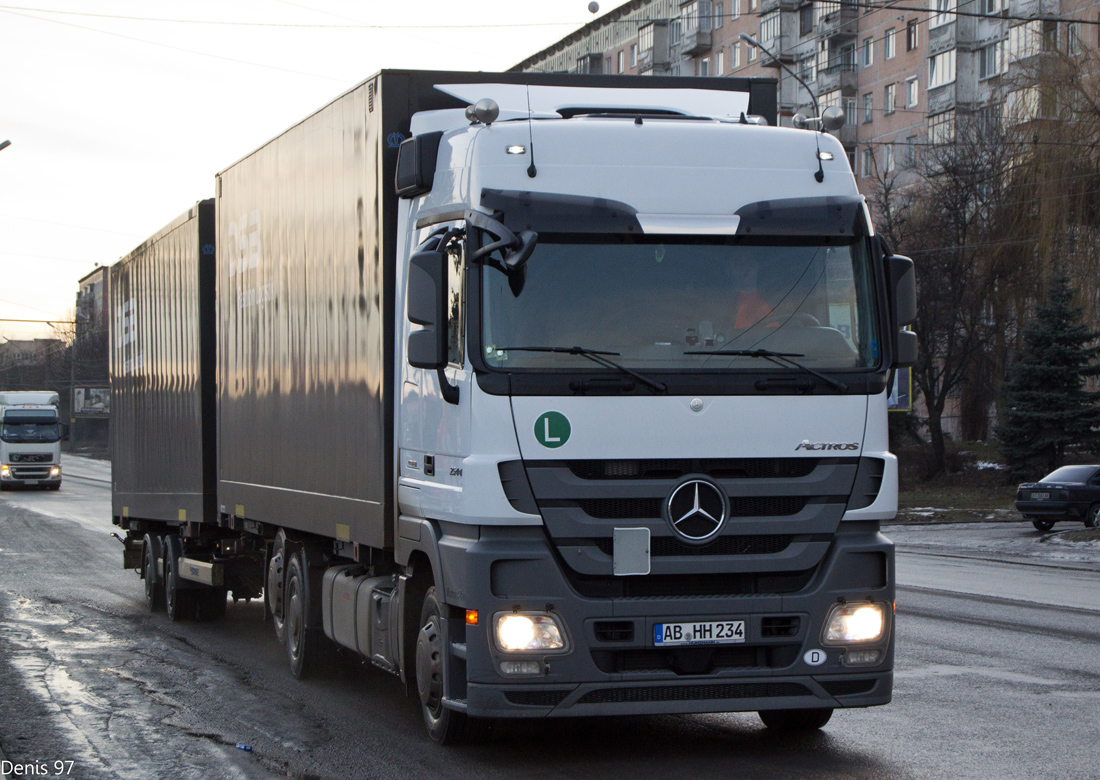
<point x="826" y="445"/>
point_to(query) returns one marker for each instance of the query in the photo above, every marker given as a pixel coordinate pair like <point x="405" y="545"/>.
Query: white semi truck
<point x="30" y="440"/>
<point x="553" y="395"/>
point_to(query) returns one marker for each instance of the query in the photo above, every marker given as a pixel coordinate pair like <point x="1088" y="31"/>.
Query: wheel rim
<point x="429" y="667"/>
<point x="1094" y="516"/>
<point x="147" y="573"/>
<point x="294" y="618"/>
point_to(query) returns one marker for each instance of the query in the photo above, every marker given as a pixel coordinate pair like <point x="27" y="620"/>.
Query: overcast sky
<point x="118" y="125"/>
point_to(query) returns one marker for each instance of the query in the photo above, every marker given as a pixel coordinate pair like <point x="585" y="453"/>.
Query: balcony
<point x="841" y="22"/>
<point x="695" y="41"/>
<point x="847" y="135"/>
<point x="653" y="59"/>
<point x="834" y="77"/>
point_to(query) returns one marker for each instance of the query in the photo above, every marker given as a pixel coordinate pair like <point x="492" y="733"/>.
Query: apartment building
<point x="904" y="72"/>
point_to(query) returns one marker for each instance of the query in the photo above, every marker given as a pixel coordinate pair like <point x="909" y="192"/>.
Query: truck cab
<point x="30" y="440"/>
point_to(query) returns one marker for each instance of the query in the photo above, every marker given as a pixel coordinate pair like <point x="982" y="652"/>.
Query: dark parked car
<point x="1068" y="493"/>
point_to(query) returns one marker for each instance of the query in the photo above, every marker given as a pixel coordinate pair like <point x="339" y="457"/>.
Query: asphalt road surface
<point x="998" y="676"/>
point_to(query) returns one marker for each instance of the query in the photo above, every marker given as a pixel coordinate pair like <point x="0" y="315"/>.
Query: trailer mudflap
<point x="131" y="554"/>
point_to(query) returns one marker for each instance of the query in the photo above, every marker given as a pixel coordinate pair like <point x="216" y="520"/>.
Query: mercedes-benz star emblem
<point x="696" y="510"/>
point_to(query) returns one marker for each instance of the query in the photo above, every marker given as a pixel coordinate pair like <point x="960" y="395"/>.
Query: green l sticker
<point x="552" y="429"/>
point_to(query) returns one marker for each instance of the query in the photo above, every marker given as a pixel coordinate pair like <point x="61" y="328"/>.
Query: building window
<point x="735" y="9"/>
<point x="941" y="128"/>
<point x="607" y="65"/>
<point x="941" y="69"/>
<point x="645" y="38"/>
<point x="867" y="164"/>
<point x="911" y="151"/>
<point x="633" y="55"/>
<point x="674" y="32"/>
<point x="868" y="52"/>
<point x="889" y="44"/>
<point x="992" y="60"/>
<point x="848" y="56"/>
<point x="890" y="99"/>
<point x="851" y="155"/>
<point x="769" y="26"/>
<point x="990" y="7"/>
<point x="1050" y="35"/>
<point x="911" y="39"/>
<point x="1073" y="38"/>
<point x="849" y="106"/>
<point x="719" y="62"/>
<point x="823" y="57"/>
<point x="751" y="55"/>
<point x="719" y="16"/>
<point x="868" y="108"/>
<point x="912" y="92"/>
<point x="809" y="72"/>
<point x="621" y="57"/>
<point x="888" y="159"/>
<point x="704" y="66"/>
<point x="806" y="19"/>
<point x="752" y="5"/>
<point x="735" y="56"/>
<point x="942" y="12"/>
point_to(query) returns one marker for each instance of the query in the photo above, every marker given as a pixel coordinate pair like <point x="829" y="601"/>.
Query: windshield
<point x="649" y="300"/>
<point x="29" y="425"/>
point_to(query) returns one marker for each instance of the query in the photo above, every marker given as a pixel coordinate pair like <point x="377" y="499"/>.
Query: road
<point x="998" y="677"/>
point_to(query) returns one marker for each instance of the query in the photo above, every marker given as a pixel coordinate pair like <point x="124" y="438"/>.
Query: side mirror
<point x="427" y="347"/>
<point x="902" y="280"/>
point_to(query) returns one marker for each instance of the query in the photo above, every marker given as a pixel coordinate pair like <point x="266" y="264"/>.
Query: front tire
<point x="1092" y="519"/>
<point x="1044" y="525"/>
<point x="795" y="721"/>
<point x="445" y="726"/>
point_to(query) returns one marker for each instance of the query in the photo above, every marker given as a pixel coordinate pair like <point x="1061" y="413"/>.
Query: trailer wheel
<point x="154" y="585"/>
<point x="445" y="726"/>
<point x="307" y="649"/>
<point x="273" y="591"/>
<point x="180" y="602"/>
<point x="795" y="721"/>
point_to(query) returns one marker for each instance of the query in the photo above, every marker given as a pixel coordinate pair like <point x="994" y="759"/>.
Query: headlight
<point x="55" y="471"/>
<point x="5" y="472"/>
<point x="518" y="632"/>
<point x="852" y="623"/>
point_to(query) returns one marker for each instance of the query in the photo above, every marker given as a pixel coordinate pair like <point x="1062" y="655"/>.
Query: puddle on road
<point x="127" y="699"/>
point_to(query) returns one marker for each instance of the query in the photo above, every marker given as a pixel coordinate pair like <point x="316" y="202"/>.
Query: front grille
<point x="690" y="585"/>
<point x="693" y="693"/>
<point x="716" y="468"/>
<point x="667" y="546"/>
<point x="536" y="698"/>
<point x="30" y="472"/>
<point x="642" y="508"/>
<point x="784" y="625"/>
<point x="31" y="457"/>
<point x="847" y="687"/>
<point x="614" y="630"/>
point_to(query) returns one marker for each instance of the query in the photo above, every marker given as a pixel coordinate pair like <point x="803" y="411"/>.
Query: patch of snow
<point x="986" y="465"/>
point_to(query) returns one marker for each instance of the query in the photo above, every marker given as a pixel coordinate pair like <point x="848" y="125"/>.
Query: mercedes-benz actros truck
<point x="552" y="395"/>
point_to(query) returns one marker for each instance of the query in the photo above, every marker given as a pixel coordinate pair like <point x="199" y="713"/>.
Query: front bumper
<point x="31" y="474"/>
<point x="612" y="666"/>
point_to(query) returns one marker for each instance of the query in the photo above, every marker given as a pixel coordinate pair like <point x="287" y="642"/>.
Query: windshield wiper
<point x="779" y="358"/>
<point x="596" y="356"/>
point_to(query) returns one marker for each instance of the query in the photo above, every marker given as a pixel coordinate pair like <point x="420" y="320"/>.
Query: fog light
<point x="852" y="623"/>
<point x="517" y="632"/>
<point x="862" y="657"/>
<point x="520" y="667"/>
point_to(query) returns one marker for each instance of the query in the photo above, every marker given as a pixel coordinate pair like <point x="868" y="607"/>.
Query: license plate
<point x="30" y="482"/>
<point x="1039" y="496"/>
<point x="711" y="632"/>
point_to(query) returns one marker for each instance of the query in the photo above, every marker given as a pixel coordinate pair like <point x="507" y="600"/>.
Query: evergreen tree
<point x="1048" y="408"/>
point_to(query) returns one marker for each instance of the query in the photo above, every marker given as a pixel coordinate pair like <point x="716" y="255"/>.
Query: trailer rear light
<point x="855" y="623"/>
